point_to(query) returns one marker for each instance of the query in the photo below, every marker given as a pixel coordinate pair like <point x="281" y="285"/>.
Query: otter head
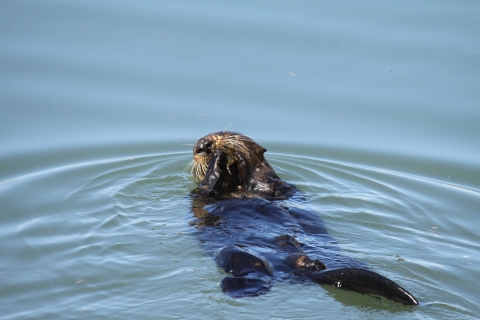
<point x="229" y="164"/>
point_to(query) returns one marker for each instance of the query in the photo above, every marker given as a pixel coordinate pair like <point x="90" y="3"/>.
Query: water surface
<point x="370" y="108"/>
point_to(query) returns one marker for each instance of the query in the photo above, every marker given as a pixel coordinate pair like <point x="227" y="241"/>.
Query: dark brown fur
<point x="243" y="219"/>
<point x="237" y="168"/>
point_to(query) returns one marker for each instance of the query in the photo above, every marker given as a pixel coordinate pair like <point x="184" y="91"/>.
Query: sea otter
<point x="253" y="224"/>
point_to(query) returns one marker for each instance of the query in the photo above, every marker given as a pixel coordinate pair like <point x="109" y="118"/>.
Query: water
<point x="369" y="108"/>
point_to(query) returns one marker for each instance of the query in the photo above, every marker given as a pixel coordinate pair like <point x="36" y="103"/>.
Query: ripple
<point x="120" y="223"/>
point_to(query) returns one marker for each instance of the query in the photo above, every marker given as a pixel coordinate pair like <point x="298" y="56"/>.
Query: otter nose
<point x="203" y="146"/>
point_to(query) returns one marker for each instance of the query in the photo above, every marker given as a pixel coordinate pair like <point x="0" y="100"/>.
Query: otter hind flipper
<point x="251" y="273"/>
<point x="239" y="287"/>
<point x="364" y="281"/>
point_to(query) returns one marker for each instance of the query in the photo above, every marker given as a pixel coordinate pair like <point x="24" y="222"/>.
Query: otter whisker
<point x="189" y="167"/>
<point x="224" y="130"/>
<point x="199" y="170"/>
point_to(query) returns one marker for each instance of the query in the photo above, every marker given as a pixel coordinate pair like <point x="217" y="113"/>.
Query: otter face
<point x="234" y="146"/>
<point x="202" y="153"/>
<point x="230" y="164"/>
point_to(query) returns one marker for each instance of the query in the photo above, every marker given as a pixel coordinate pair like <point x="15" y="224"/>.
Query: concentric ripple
<point x="110" y="237"/>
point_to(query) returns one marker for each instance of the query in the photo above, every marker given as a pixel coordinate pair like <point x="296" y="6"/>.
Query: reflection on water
<point x="110" y="237"/>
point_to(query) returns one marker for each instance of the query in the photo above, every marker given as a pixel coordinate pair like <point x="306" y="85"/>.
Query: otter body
<point x="253" y="225"/>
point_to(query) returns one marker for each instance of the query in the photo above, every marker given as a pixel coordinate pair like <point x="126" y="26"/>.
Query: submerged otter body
<point x="253" y="224"/>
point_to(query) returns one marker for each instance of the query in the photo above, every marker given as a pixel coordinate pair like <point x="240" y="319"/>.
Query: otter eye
<point x="204" y="147"/>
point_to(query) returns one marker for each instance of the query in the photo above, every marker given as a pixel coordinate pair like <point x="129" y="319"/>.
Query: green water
<point x="370" y="108"/>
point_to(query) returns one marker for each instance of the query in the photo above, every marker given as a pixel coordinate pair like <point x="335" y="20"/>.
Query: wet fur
<point x="252" y="223"/>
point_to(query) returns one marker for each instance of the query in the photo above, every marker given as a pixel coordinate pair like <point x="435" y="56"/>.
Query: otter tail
<point x="364" y="281"/>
